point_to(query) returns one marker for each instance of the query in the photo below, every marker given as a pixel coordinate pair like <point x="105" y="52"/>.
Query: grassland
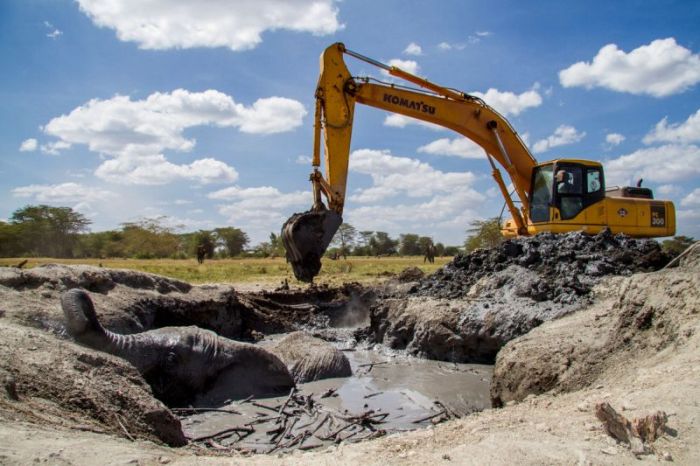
<point x="249" y="271"/>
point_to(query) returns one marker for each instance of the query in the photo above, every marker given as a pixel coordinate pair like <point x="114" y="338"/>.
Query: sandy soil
<point x="654" y="364"/>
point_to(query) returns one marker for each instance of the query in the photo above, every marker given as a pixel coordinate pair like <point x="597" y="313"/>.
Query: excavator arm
<point x="307" y="235"/>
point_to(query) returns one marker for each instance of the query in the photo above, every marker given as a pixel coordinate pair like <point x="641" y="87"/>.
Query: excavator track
<point x="306" y="236"/>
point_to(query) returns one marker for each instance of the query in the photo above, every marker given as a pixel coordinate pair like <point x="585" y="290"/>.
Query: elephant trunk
<point x="82" y="324"/>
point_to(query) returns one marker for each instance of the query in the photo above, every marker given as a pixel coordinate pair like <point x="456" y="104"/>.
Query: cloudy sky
<point x="202" y="111"/>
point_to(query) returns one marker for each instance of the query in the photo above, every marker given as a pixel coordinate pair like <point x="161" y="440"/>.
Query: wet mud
<point x="389" y="392"/>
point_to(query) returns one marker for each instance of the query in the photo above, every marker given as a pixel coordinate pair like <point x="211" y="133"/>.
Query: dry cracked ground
<point x="631" y="340"/>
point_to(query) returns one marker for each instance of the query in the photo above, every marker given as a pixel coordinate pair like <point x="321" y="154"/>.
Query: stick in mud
<point x="248" y="430"/>
<point x="203" y="410"/>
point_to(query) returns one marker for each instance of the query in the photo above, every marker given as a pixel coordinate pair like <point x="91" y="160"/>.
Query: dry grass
<point x="359" y="269"/>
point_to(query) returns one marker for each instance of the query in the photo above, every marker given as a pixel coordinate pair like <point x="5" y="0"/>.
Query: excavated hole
<point x="401" y="391"/>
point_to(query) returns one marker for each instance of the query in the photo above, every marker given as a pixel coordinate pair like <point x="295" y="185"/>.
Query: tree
<point x="49" y="231"/>
<point x="451" y="250"/>
<point x="233" y="240"/>
<point x="101" y="244"/>
<point x="409" y="245"/>
<point x="483" y="234"/>
<point x="439" y="249"/>
<point x="344" y="238"/>
<point x="382" y="244"/>
<point x="362" y="244"/>
<point x="678" y="244"/>
<point x="10" y="240"/>
<point x="149" y="238"/>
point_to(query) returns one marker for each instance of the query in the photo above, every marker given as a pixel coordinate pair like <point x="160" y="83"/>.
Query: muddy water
<point x="405" y="392"/>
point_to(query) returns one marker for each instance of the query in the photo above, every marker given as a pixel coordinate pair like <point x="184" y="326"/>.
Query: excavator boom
<point x="584" y="204"/>
<point x="306" y="235"/>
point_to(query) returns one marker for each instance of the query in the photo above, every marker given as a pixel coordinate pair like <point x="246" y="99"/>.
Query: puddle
<point x="389" y="392"/>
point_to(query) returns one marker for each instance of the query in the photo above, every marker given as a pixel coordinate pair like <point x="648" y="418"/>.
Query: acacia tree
<point x="149" y="238"/>
<point x="483" y="234"/>
<point x="382" y="244"/>
<point x="233" y="240"/>
<point x="344" y="238"/>
<point x="409" y="244"/>
<point x="48" y="231"/>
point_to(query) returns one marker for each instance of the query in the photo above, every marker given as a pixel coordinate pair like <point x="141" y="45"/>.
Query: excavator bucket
<point x="306" y="236"/>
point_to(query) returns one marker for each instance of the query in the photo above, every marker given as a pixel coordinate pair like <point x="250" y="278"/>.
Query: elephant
<point x="310" y="358"/>
<point x="183" y="365"/>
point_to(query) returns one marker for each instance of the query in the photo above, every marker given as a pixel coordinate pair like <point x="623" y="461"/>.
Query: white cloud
<point x="477" y="36"/>
<point x="458" y="147"/>
<point x="563" y="135"/>
<point x="392" y="176"/>
<point x="304" y="160"/>
<point x="238" y="25"/>
<point x="683" y="133"/>
<point x="509" y="103"/>
<point x="446" y="46"/>
<point x="668" y="189"/>
<point x="406" y="65"/>
<point x="692" y="199"/>
<point x="664" y="164"/>
<point x="54" y="33"/>
<point x="29" y="145"/>
<point x="136" y="132"/>
<point x="156" y="170"/>
<point x="400" y="121"/>
<point x="444" y="212"/>
<point x="413" y="49"/>
<point x="259" y="210"/>
<point x="62" y="193"/>
<point x="614" y="139"/>
<point x="659" y="69"/>
<point x="55" y="147"/>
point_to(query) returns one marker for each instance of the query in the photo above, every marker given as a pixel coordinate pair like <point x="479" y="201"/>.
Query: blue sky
<point x="202" y="111"/>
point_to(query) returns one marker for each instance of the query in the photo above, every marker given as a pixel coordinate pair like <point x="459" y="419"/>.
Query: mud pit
<point x="388" y="393"/>
<point x="88" y="389"/>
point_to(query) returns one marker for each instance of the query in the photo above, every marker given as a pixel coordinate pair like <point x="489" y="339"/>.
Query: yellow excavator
<point x="557" y="196"/>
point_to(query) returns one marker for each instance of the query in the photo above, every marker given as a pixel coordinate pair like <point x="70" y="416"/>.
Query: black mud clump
<point x="568" y="265"/>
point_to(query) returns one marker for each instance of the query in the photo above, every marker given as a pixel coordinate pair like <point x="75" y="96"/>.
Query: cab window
<point x="542" y="181"/>
<point x="593" y="184"/>
<point x="569" y="188"/>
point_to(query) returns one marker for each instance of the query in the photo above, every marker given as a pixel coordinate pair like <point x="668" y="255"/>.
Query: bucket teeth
<point x="306" y="236"/>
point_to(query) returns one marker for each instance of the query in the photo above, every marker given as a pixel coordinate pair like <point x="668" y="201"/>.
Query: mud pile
<point x="567" y="266"/>
<point x="469" y="309"/>
<point x="635" y="319"/>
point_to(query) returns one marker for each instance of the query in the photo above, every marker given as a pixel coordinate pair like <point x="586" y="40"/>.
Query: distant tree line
<point x="348" y="241"/>
<point x="45" y="231"/>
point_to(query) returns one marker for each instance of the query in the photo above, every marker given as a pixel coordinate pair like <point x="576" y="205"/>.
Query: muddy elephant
<point x="309" y="358"/>
<point x="183" y="365"/>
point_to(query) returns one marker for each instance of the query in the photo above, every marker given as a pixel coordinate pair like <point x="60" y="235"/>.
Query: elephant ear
<point x="79" y="312"/>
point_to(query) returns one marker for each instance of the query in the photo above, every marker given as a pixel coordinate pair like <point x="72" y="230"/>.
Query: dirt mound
<point x="63" y="384"/>
<point x="469" y="309"/>
<point x="637" y="318"/>
<point x="567" y="265"/>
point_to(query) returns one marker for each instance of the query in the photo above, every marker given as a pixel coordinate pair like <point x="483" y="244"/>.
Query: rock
<point x="309" y="358"/>
<point x="410" y="274"/>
